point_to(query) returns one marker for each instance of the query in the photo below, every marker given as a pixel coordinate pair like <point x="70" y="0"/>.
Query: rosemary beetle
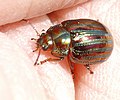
<point x="83" y="41"/>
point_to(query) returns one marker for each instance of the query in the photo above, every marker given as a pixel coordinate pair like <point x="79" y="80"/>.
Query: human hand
<point x="19" y="79"/>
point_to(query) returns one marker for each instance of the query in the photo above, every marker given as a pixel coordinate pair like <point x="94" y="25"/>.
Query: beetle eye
<point x="44" y="47"/>
<point x="42" y="34"/>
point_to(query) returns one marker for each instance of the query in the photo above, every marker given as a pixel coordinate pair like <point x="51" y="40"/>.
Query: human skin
<point x="21" y="80"/>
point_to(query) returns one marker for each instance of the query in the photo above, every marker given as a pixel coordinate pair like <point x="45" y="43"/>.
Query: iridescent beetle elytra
<point x="83" y="41"/>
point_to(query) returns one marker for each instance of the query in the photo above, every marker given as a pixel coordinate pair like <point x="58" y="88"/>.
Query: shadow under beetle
<point x="83" y="41"/>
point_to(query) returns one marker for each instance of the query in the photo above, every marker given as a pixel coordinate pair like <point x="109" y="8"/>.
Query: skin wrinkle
<point x="50" y="19"/>
<point x="101" y="12"/>
<point x="95" y="90"/>
<point x="7" y="83"/>
<point x="32" y="9"/>
<point x="28" y="11"/>
<point x="50" y="90"/>
<point x="65" y="3"/>
<point x="47" y="87"/>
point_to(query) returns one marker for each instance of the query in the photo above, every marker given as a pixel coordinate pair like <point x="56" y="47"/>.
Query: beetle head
<point x="45" y="41"/>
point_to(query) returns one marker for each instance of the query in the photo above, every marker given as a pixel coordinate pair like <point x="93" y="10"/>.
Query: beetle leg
<point x="51" y="59"/>
<point x="88" y="67"/>
<point x="35" y="49"/>
<point x="37" y="56"/>
<point x="33" y="39"/>
<point x="36" y="43"/>
<point x="71" y="67"/>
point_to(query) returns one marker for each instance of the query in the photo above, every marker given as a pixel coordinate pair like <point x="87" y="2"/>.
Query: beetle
<point x="83" y="41"/>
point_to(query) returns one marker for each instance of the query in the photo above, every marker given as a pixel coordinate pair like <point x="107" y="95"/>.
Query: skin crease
<point x="20" y="80"/>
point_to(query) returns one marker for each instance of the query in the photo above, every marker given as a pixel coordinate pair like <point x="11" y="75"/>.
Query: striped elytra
<point x="91" y="43"/>
<point x="83" y="41"/>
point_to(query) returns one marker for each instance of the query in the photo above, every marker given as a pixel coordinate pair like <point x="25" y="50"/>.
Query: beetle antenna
<point x="88" y="67"/>
<point x="27" y="21"/>
<point x="37" y="57"/>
